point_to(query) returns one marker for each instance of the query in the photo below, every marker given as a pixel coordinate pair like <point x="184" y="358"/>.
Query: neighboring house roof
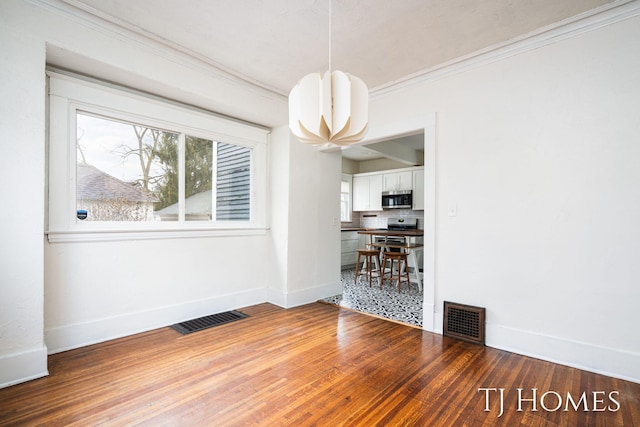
<point x="94" y="184"/>
<point x="199" y="203"/>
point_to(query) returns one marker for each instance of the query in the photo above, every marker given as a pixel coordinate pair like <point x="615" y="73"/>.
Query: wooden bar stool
<point x="371" y="258"/>
<point x="401" y="259"/>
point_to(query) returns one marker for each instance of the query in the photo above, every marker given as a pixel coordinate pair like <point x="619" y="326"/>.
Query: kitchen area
<point x="382" y="208"/>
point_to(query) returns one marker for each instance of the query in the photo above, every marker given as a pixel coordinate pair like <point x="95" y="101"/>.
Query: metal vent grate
<point x="208" y="321"/>
<point x="464" y="322"/>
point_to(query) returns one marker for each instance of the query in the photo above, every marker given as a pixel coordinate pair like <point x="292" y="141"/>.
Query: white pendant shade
<point x="331" y="108"/>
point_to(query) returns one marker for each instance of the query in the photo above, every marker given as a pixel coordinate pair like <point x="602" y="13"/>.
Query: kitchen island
<point x="396" y="233"/>
<point x="399" y="240"/>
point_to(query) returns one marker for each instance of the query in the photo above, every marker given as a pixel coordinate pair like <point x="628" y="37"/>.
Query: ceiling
<point x="273" y="43"/>
<point x="408" y="150"/>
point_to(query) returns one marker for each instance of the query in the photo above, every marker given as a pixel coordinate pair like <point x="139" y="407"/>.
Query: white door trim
<point x="425" y="124"/>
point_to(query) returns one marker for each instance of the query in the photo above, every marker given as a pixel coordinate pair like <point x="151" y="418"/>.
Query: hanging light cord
<point x="330" y="1"/>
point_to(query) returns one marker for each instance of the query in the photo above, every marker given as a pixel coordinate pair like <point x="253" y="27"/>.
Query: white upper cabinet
<point x="397" y="181"/>
<point x="367" y="193"/>
<point x="368" y="187"/>
<point x="375" y="192"/>
<point x="360" y="193"/>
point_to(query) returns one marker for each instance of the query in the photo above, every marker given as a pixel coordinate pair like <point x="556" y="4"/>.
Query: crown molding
<point x="105" y="23"/>
<point x="587" y="21"/>
<point x="582" y="23"/>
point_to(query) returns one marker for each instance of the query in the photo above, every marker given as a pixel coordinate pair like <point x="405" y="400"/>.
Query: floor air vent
<point x="464" y="322"/>
<point x="208" y="321"/>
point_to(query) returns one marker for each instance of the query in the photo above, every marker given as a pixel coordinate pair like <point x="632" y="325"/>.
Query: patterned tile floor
<point x="405" y="306"/>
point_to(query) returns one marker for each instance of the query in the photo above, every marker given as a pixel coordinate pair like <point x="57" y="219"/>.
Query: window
<point x="345" y="198"/>
<point x="233" y="182"/>
<point x="127" y="163"/>
<point x="124" y="171"/>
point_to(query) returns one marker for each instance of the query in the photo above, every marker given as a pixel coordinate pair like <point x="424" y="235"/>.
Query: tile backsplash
<point x="378" y="219"/>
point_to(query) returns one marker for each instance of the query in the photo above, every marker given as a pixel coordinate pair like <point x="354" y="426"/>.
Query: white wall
<point x="22" y="115"/>
<point x="380" y="165"/>
<point x="540" y="153"/>
<point x="314" y="223"/>
<point x="307" y="244"/>
<point x="102" y="290"/>
<point x="279" y="198"/>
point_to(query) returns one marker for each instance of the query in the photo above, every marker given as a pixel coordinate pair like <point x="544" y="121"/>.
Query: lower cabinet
<point x="350" y="243"/>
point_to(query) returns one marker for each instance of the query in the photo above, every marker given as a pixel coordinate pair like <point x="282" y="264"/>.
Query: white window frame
<point x="349" y="180"/>
<point x="69" y="93"/>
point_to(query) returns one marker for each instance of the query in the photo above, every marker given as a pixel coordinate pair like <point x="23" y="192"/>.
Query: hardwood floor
<point x="311" y="365"/>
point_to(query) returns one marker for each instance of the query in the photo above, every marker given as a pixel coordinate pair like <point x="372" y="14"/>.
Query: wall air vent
<point x="464" y="322"/>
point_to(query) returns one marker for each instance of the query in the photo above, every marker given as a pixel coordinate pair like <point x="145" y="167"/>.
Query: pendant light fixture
<point x="329" y="108"/>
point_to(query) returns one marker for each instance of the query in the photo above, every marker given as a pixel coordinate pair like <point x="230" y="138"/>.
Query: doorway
<point x="422" y="130"/>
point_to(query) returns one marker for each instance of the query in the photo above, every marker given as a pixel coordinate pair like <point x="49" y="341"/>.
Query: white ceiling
<point x="273" y="43"/>
<point x="408" y="150"/>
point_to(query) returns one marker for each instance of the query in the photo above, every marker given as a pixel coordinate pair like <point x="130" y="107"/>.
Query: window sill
<point x="122" y="235"/>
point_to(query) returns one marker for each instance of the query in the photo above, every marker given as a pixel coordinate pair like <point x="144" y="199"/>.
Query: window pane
<point x="233" y="184"/>
<point x="198" y="178"/>
<point x="345" y="198"/>
<point x="344" y="207"/>
<point x="125" y="172"/>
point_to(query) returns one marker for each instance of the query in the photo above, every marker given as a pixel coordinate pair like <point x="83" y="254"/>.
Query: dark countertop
<point x="408" y="233"/>
<point x="385" y="232"/>
<point x="362" y="229"/>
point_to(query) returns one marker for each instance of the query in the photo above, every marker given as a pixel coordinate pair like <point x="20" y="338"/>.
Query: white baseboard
<point x="589" y="357"/>
<point x="77" y="335"/>
<point x="429" y="318"/>
<point x="20" y="367"/>
<point x="303" y="296"/>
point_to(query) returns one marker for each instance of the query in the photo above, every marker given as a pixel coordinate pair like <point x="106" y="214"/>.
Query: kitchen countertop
<point x="378" y="232"/>
<point x="356" y="229"/>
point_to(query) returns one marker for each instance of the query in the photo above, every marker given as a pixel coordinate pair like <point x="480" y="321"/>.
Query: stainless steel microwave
<point x="397" y="199"/>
